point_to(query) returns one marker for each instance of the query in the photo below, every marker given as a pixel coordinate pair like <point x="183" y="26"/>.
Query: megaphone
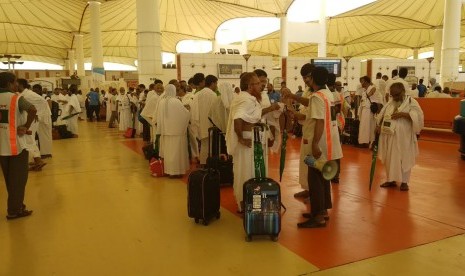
<point x="327" y="168"/>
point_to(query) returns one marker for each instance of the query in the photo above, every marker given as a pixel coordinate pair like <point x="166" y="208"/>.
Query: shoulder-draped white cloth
<point x="398" y="150"/>
<point x="246" y="107"/>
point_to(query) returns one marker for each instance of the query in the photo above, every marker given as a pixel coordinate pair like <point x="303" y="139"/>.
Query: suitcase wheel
<point x="248" y="238"/>
<point x="196" y="220"/>
<point x="205" y="222"/>
<point x="274" y="238"/>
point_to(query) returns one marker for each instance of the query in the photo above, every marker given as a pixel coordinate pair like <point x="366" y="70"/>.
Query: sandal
<point x="302" y="194"/>
<point x="37" y="167"/>
<point x="20" y="214"/>
<point x="309" y="216"/>
<point x="404" y="187"/>
<point x="388" y="184"/>
<point x="312" y="223"/>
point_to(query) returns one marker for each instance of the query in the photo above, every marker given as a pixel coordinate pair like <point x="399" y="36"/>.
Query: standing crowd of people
<point x="178" y="116"/>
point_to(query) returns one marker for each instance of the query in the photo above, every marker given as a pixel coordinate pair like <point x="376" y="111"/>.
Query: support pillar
<point x="451" y="41"/>
<point x="98" y="72"/>
<point x="245" y="45"/>
<point x="437" y="50"/>
<point x="148" y="41"/>
<point x="78" y="38"/>
<point x="322" y="22"/>
<point x="340" y="51"/>
<point x="415" y="53"/>
<point x="284" y="50"/>
<point x="71" y="62"/>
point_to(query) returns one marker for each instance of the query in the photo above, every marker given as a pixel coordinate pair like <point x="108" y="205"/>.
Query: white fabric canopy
<point x="42" y="30"/>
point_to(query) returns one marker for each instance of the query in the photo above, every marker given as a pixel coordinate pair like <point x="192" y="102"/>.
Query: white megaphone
<point x="327" y="168"/>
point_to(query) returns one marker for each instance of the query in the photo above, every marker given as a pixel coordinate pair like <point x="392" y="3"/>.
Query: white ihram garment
<point x="73" y="107"/>
<point x="367" y="118"/>
<point x="246" y="107"/>
<point x="43" y="113"/>
<point x="200" y="108"/>
<point x="125" y="117"/>
<point x="172" y="121"/>
<point x="398" y="146"/>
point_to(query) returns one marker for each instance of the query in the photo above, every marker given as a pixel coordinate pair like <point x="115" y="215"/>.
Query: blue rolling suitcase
<point x="262" y="199"/>
<point x="262" y="202"/>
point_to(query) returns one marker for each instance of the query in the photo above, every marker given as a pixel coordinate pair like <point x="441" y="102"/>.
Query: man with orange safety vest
<point x="324" y="140"/>
<point x="340" y="117"/>
<point x="13" y="153"/>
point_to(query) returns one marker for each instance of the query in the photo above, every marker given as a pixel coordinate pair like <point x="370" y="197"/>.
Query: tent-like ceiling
<point x="42" y="30"/>
<point x="385" y="28"/>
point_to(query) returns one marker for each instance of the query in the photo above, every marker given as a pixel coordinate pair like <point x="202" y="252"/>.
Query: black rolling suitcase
<point x="218" y="158"/>
<point x="354" y="132"/>
<point x="350" y="133"/>
<point x="203" y="195"/>
<point x="262" y="199"/>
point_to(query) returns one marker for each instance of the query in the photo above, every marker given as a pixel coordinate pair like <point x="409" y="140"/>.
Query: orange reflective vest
<point x="340" y="117"/>
<point x="9" y="119"/>
<point x="329" y="143"/>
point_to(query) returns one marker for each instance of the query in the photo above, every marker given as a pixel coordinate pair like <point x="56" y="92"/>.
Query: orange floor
<point x="367" y="224"/>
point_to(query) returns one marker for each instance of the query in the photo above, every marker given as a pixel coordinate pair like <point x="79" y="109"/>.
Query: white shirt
<point x="200" y="109"/>
<point x="39" y="102"/>
<point x="317" y="111"/>
<point x="380" y="85"/>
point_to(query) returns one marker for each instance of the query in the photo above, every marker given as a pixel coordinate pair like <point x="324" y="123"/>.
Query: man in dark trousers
<point x="13" y="155"/>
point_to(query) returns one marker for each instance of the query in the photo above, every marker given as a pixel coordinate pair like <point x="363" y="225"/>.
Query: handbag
<point x="375" y="108"/>
<point x="156" y="164"/>
<point x="157" y="167"/>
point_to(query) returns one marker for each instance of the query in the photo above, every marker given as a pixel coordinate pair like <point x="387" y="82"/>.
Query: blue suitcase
<point x="262" y="199"/>
<point x="262" y="203"/>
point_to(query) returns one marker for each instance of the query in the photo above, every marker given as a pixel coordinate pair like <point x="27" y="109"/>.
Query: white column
<point x="78" y="39"/>
<point x="340" y="51"/>
<point x="437" y="50"/>
<point x="98" y="72"/>
<point x="66" y="65"/>
<point x="451" y="41"/>
<point x="148" y="41"/>
<point x="71" y="62"/>
<point x="284" y="50"/>
<point x="245" y="42"/>
<point x="415" y="53"/>
<point x="322" y="22"/>
<point x="215" y="47"/>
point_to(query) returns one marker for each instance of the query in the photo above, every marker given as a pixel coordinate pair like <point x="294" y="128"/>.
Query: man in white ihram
<point x="40" y="105"/>
<point x="124" y="110"/>
<point x="400" y="121"/>
<point x="245" y="112"/>
<point x="73" y="108"/>
<point x="172" y="121"/>
<point x="201" y="105"/>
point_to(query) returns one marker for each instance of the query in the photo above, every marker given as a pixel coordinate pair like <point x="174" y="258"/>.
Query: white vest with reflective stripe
<point x="10" y="119"/>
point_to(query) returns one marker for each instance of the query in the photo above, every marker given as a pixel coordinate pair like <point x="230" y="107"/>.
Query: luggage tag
<point x="388" y="126"/>
<point x="257" y="200"/>
<point x="262" y="137"/>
